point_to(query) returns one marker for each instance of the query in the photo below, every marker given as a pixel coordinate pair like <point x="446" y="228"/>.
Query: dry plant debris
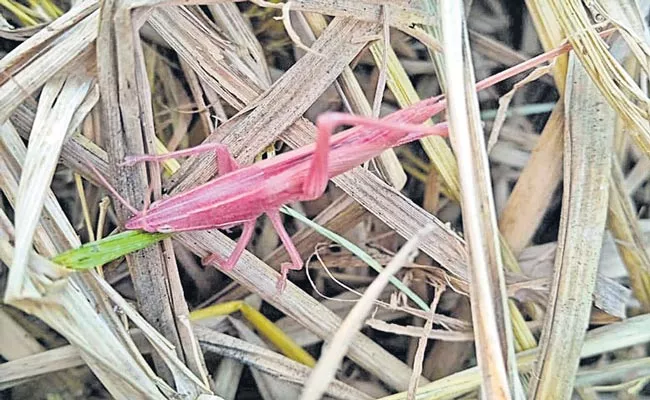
<point x="533" y="279"/>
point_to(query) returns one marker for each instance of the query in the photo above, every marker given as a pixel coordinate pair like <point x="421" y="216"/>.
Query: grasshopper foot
<point x="284" y="271"/>
<point x="281" y="284"/>
<point x="130" y="161"/>
<point x="215" y="258"/>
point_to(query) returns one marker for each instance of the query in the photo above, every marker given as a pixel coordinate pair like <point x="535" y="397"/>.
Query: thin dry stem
<point x="337" y="348"/>
<point x="490" y="313"/>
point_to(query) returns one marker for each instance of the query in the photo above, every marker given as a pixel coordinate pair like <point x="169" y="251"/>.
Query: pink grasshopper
<point x="238" y="196"/>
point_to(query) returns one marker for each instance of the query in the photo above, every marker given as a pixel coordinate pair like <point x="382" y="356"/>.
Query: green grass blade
<point x="92" y="254"/>
<point x="357" y="252"/>
<point x="112" y="247"/>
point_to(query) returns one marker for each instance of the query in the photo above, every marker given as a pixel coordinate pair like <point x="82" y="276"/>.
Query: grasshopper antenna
<point x="110" y="188"/>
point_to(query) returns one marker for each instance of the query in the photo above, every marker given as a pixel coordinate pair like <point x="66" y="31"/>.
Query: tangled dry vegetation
<point x="537" y="287"/>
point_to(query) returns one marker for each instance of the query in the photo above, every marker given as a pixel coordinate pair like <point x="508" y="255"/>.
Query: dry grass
<point x="522" y="292"/>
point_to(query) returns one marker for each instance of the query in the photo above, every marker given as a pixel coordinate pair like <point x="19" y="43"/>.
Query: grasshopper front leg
<point x="224" y="159"/>
<point x="244" y="239"/>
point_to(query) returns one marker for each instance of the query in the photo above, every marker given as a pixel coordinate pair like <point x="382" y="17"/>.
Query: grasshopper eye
<point x="165" y="229"/>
